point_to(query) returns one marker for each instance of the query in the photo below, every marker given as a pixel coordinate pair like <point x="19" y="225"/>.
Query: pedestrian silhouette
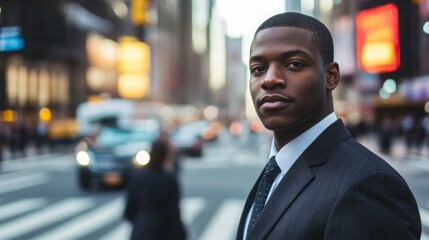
<point x="152" y="199"/>
<point x="385" y="135"/>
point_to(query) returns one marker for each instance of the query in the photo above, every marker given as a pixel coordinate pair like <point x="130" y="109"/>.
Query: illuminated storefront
<point x="102" y="57"/>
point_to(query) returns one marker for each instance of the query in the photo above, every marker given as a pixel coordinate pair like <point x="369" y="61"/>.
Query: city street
<point x="88" y="86"/>
<point x="39" y="197"/>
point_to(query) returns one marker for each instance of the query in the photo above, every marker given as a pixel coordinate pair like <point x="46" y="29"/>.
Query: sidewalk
<point x="399" y="159"/>
<point x="398" y="150"/>
<point x="34" y="158"/>
<point x="32" y="152"/>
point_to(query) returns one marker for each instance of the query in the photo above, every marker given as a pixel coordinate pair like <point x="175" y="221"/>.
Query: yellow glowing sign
<point x="133" y="86"/>
<point x="9" y="115"/>
<point x="45" y="115"/>
<point x="134" y="68"/>
<point x="377" y="53"/>
<point x="139" y="12"/>
<point x="134" y="56"/>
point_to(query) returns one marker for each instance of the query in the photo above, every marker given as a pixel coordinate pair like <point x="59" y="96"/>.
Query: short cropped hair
<point x="321" y="36"/>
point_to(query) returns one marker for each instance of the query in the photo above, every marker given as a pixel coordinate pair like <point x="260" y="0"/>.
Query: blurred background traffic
<point x="65" y="64"/>
<point x="87" y="85"/>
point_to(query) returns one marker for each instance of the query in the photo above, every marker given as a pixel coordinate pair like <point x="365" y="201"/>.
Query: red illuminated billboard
<point x="377" y="39"/>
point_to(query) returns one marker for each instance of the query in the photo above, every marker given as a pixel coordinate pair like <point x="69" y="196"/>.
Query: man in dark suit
<point x="320" y="183"/>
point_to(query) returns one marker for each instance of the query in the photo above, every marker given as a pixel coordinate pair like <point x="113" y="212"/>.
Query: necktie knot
<point x="272" y="169"/>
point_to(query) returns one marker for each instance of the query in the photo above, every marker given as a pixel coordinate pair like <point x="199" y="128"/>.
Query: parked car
<point x="108" y="159"/>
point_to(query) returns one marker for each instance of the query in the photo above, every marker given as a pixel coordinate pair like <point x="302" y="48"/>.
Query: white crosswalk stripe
<point x="424" y="216"/>
<point x="80" y="218"/>
<point x="123" y="231"/>
<point x="42" y="218"/>
<point x="191" y="207"/>
<point x="45" y="162"/>
<point x="18" y="183"/>
<point x="223" y="225"/>
<point x="88" y="222"/>
<point x="85" y="223"/>
<point x="21" y="206"/>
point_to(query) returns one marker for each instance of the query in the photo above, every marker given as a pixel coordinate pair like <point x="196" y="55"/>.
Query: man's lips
<point x="273" y="101"/>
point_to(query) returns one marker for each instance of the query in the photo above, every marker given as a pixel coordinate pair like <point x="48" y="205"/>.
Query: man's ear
<point x="332" y="72"/>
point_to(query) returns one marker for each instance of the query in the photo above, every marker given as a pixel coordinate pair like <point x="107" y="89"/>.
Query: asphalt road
<point x="40" y="198"/>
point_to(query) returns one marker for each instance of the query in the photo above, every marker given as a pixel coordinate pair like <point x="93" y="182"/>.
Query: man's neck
<point x="283" y="137"/>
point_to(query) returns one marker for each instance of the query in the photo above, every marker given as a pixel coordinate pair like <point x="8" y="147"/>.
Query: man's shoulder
<point x="363" y="158"/>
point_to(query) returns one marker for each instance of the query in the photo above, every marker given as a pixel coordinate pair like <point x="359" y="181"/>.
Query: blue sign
<point x="11" y="39"/>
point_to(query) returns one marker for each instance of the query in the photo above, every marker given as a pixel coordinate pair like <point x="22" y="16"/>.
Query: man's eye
<point x="295" y="65"/>
<point x="256" y="70"/>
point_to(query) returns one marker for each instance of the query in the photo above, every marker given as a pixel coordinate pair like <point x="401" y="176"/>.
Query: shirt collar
<point x="288" y="154"/>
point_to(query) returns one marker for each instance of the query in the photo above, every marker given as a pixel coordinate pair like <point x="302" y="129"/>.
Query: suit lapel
<point x="249" y="201"/>
<point x="296" y="179"/>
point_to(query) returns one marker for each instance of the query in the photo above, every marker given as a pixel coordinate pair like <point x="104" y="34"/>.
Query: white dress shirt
<point x="290" y="152"/>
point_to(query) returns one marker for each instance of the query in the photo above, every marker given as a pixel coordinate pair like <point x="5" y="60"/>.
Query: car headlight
<point x="142" y="158"/>
<point x="83" y="158"/>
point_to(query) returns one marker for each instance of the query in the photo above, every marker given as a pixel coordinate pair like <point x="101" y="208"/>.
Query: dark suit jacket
<point x="337" y="189"/>
<point x="152" y="206"/>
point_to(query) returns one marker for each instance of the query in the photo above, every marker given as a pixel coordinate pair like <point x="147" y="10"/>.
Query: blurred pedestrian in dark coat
<point x="418" y="133"/>
<point x="152" y="201"/>
<point x="385" y="135"/>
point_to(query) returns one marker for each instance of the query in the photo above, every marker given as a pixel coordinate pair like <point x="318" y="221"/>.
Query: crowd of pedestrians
<point x="416" y="131"/>
<point x="14" y="137"/>
<point x="20" y="140"/>
<point x="410" y="129"/>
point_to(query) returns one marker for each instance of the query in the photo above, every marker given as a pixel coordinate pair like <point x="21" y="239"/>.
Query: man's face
<point x="287" y="79"/>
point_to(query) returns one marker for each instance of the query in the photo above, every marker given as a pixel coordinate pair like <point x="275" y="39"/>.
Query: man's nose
<point x="273" y="78"/>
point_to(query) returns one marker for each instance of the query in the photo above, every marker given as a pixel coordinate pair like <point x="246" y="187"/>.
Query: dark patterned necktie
<point x="271" y="172"/>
